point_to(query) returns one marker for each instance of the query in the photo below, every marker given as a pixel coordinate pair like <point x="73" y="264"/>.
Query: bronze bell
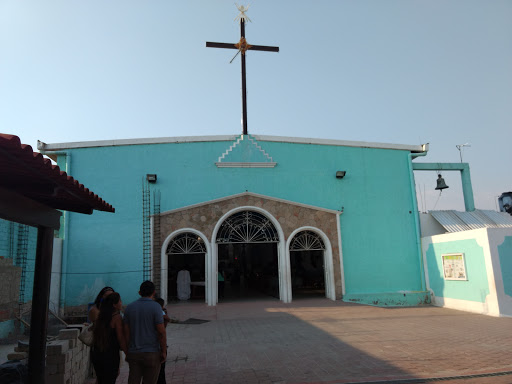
<point x="440" y="183"/>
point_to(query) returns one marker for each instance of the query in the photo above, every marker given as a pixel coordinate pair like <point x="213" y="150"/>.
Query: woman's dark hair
<point x="102" y="329"/>
<point x="100" y="296"/>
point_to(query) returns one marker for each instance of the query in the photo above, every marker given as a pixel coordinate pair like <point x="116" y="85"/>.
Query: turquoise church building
<point x="246" y="216"/>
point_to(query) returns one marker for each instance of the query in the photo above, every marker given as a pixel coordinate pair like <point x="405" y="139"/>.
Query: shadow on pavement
<point x="321" y="341"/>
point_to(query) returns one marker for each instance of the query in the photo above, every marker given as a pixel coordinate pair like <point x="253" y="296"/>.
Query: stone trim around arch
<point x="283" y="261"/>
<point x="330" y="288"/>
<point x="164" y="262"/>
<point x="203" y="218"/>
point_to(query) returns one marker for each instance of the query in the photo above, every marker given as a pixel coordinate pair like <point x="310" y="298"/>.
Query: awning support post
<point x="40" y="299"/>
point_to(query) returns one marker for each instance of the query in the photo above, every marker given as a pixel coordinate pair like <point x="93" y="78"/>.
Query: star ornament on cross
<point x="242" y="47"/>
<point x="242" y="16"/>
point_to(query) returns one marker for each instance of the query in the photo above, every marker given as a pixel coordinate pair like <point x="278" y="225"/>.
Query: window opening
<point x="186" y="243"/>
<point x="247" y="227"/>
<point x="307" y="241"/>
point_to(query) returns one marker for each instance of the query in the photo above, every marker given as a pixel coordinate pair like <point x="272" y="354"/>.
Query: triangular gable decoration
<point x="245" y="152"/>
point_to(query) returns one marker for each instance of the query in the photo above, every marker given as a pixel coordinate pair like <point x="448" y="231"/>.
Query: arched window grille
<point x="307" y="241"/>
<point x="247" y="227"/>
<point x="186" y="243"/>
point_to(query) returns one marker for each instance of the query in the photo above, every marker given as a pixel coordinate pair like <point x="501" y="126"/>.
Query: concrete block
<point x="67" y="334"/>
<point x="17" y="356"/>
<point x="57" y="347"/>
<point x="80" y="327"/>
<point x="72" y="343"/>
<point x="52" y="369"/>
<point x="56" y="359"/>
<point x="23" y="345"/>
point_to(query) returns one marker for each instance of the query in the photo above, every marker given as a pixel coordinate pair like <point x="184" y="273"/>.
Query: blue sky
<point x="395" y="71"/>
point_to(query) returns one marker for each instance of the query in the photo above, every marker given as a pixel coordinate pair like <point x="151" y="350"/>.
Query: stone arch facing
<point x="330" y="290"/>
<point x="288" y="217"/>
<point x="283" y="262"/>
<point x="164" y="262"/>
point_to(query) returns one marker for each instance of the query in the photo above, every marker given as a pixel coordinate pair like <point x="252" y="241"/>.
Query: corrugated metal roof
<point x="30" y="174"/>
<point x="473" y="222"/>
<point x="456" y="221"/>
<point x="502" y="219"/>
<point x="450" y="221"/>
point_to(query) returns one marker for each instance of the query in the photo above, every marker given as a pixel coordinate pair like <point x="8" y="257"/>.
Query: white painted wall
<point x="497" y="237"/>
<point x="497" y="303"/>
<point x="430" y="226"/>
<point x="56" y="275"/>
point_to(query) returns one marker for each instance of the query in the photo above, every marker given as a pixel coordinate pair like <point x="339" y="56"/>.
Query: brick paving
<point x="320" y="341"/>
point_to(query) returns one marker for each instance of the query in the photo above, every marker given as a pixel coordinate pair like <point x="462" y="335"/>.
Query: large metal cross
<point x="242" y="47"/>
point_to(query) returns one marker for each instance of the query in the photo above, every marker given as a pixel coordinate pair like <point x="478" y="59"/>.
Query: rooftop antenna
<point x="460" y="147"/>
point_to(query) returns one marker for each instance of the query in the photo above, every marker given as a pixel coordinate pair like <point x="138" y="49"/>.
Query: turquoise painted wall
<point x="505" y="254"/>
<point x="377" y="225"/>
<point x="476" y="288"/>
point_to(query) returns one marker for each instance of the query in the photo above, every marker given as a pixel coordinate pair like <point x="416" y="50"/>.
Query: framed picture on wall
<point x="454" y="267"/>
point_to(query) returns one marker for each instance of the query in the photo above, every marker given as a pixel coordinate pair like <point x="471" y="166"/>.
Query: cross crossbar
<point x="265" y="48"/>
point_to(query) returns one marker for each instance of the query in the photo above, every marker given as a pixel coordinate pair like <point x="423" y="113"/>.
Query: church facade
<point x="248" y="216"/>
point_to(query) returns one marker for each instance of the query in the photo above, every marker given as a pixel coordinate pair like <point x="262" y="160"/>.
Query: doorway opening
<point x="186" y="252"/>
<point x="249" y="271"/>
<point x="247" y="257"/>
<point x="307" y="265"/>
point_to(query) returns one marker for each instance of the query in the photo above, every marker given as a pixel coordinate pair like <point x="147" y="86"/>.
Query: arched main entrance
<point x="307" y="265"/>
<point x="186" y="251"/>
<point x="247" y="253"/>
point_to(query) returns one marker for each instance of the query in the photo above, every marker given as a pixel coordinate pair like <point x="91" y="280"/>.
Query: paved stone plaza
<point x="320" y="341"/>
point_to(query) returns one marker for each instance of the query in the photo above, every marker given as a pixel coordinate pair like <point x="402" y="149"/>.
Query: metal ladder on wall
<point x="21" y="261"/>
<point x="147" y="241"/>
<point x="146" y="231"/>
<point x="156" y="237"/>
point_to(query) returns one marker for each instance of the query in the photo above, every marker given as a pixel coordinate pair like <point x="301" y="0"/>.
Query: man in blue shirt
<point x="145" y="332"/>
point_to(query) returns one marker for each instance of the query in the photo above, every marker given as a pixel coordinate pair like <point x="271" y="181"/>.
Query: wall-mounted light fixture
<point x="151" y="177"/>
<point x="340" y="174"/>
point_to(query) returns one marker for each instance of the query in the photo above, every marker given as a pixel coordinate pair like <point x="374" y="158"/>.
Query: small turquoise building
<point x="468" y="260"/>
<point x="274" y="216"/>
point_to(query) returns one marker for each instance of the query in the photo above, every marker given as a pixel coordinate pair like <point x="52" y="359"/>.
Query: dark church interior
<point x="250" y="272"/>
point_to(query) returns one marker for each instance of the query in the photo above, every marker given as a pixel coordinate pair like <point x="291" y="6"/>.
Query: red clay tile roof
<point x="34" y="176"/>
